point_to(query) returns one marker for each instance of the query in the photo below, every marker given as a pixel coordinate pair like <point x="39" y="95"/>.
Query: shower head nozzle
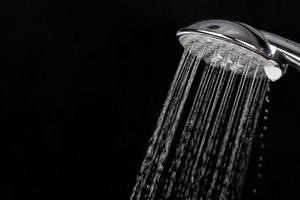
<point x="269" y="54"/>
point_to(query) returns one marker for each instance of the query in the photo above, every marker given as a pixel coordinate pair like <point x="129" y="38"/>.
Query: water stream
<point x="204" y="153"/>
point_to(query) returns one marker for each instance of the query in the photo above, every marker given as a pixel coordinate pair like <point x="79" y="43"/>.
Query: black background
<point x="82" y="84"/>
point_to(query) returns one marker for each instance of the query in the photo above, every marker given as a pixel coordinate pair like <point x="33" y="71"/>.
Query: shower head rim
<point x="235" y="34"/>
<point x="248" y="46"/>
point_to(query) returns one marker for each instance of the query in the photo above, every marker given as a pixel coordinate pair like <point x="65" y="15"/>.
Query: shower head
<point x="263" y="53"/>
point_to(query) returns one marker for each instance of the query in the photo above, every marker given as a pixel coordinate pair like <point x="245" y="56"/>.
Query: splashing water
<point x="207" y="156"/>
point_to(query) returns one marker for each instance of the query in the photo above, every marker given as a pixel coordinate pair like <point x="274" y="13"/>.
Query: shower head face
<point x="244" y="46"/>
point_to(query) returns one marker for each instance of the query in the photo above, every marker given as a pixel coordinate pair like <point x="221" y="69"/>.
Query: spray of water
<point x="211" y="153"/>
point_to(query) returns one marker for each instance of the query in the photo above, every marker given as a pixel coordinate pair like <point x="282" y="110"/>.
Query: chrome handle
<point x="289" y="51"/>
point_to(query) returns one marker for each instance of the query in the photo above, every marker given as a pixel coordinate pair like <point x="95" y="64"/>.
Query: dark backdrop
<point x="82" y="84"/>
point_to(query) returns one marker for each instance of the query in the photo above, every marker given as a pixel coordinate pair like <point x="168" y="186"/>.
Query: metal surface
<point x="288" y="50"/>
<point x="274" y="52"/>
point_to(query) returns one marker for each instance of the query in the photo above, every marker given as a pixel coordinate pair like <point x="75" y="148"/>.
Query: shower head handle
<point x="287" y="50"/>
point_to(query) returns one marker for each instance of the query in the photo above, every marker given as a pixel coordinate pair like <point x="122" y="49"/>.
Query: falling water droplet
<point x="262" y="146"/>
<point x="254" y="190"/>
<point x="150" y="150"/>
<point x="260" y="165"/>
<point x="266" y="110"/>
<point x="267" y="99"/>
<point x="261" y="135"/>
<point x="265" y="128"/>
<point x="260" y="158"/>
<point x="259" y="175"/>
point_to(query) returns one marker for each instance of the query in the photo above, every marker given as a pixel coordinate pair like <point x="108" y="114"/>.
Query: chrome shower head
<point x="269" y="54"/>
